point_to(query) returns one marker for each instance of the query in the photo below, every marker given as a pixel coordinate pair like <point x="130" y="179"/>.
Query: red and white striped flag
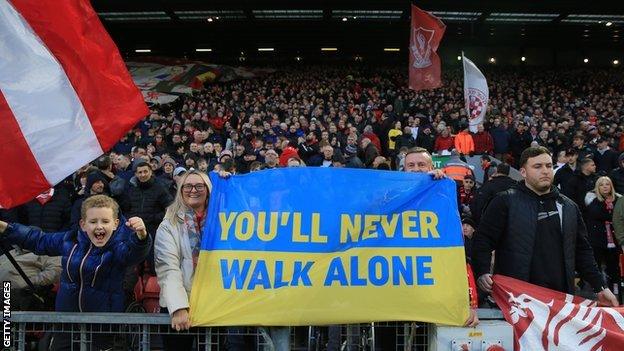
<point x="548" y="320"/>
<point x="66" y="96"/>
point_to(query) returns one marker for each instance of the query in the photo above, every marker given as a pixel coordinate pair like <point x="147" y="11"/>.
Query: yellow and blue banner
<point x="314" y="246"/>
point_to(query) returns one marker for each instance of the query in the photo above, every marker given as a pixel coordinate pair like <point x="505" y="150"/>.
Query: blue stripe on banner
<point x="331" y="210"/>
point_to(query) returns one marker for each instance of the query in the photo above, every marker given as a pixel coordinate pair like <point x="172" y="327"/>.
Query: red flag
<point x="424" y="64"/>
<point x="545" y="319"/>
<point x="65" y="94"/>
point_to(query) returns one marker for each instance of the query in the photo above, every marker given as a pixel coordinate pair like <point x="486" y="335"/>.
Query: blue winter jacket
<point x="92" y="276"/>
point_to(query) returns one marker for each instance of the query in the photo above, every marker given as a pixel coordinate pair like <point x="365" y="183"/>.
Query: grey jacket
<point x="174" y="263"/>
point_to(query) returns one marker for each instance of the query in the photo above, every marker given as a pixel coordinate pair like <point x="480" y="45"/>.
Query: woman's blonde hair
<point x="597" y="188"/>
<point x="178" y="203"/>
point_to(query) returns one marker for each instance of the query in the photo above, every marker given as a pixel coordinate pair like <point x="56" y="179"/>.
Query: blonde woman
<point x="176" y="249"/>
<point x="600" y="203"/>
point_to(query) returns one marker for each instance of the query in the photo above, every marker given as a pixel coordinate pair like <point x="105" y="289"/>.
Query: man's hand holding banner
<point x="329" y="246"/>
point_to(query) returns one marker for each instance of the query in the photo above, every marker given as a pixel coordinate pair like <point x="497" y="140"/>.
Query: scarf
<point x="609" y="224"/>
<point x="194" y="227"/>
<point x="466" y="198"/>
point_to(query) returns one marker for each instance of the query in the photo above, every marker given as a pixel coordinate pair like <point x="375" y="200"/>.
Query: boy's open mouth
<point x="99" y="234"/>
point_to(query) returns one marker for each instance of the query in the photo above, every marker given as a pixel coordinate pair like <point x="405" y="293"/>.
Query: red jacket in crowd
<point x="374" y="139"/>
<point x="444" y="143"/>
<point x="483" y="143"/>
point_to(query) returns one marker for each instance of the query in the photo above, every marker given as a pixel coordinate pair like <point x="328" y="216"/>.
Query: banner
<point x="426" y="31"/>
<point x="476" y="93"/>
<point x="545" y="319"/>
<point x="65" y="94"/>
<point x="439" y="161"/>
<point x="162" y="80"/>
<point x="313" y="246"/>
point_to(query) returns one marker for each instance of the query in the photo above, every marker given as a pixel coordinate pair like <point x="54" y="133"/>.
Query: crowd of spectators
<point x="362" y="117"/>
<point x="304" y="110"/>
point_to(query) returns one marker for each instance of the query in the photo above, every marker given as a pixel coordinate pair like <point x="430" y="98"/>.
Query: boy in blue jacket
<point x="95" y="257"/>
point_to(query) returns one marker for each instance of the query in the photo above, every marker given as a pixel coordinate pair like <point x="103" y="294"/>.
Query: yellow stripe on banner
<point x="365" y="285"/>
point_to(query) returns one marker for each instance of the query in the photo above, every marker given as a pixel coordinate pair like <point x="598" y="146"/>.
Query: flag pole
<point x="21" y="272"/>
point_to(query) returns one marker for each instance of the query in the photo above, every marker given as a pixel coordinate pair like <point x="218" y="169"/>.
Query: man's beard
<point x="541" y="187"/>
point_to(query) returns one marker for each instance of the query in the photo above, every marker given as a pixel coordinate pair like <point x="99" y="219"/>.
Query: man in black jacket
<point x="578" y="143"/>
<point x="519" y="140"/>
<point x="565" y="172"/>
<point x="425" y="139"/>
<point x="581" y="182"/>
<point x="617" y="175"/>
<point x="606" y="158"/>
<point x="500" y="182"/>
<point x="539" y="235"/>
<point x="148" y="199"/>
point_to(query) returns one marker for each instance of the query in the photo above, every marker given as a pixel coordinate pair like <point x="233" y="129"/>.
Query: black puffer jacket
<point x="426" y="141"/>
<point x="578" y="186"/>
<point x="486" y="193"/>
<point x="617" y="176"/>
<point x="562" y="176"/>
<point x="605" y="161"/>
<point x="147" y="200"/>
<point x="54" y="216"/>
<point x="509" y="226"/>
<point x="597" y="215"/>
<point x="404" y="140"/>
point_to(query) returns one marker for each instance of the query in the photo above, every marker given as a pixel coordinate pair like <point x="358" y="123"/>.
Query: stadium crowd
<point x="361" y="117"/>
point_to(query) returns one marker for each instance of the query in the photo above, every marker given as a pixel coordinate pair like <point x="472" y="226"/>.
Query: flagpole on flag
<point x="464" y="70"/>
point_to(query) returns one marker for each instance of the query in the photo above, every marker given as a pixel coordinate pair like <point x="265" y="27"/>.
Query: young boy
<point x="94" y="258"/>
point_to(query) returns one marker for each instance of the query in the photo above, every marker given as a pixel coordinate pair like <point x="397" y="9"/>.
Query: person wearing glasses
<point x="176" y="250"/>
<point x="177" y="247"/>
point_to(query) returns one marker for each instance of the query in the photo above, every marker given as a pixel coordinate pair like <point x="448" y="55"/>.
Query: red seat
<point x="147" y="293"/>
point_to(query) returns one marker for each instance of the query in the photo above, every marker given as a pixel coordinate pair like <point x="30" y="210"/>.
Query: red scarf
<point x="609" y="225"/>
<point x="465" y="198"/>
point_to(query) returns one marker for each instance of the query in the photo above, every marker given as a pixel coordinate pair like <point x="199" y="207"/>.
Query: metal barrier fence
<point x="142" y="332"/>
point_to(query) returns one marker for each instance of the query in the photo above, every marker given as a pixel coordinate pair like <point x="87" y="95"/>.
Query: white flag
<point x="476" y="94"/>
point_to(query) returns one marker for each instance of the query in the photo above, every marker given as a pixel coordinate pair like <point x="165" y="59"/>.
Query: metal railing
<point x="142" y="332"/>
